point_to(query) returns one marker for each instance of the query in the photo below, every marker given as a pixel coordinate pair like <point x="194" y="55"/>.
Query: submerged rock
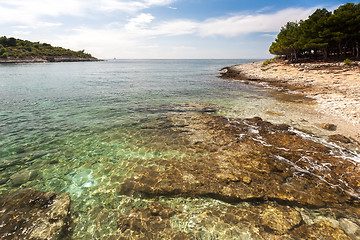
<point x="280" y="219"/>
<point x="30" y="214"/>
<point x="320" y="231"/>
<point x="150" y="223"/>
<point x="352" y="229"/>
<point x="23" y="177"/>
<point x="271" y="167"/>
<point x="339" y="138"/>
<point x="245" y="160"/>
<point x="268" y="220"/>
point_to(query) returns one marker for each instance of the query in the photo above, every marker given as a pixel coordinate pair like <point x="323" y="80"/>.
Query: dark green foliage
<point x="17" y="48"/>
<point x="347" y="61"/>
<point x="8" y="42"/>
<point x="324" y="34"/>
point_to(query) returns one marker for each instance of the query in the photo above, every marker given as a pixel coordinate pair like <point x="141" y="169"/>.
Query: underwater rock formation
<point x="254" y="161"/>
<point x="248" y="160"/>
<point x="150" y="223"/>
<point x="30" y="214"/>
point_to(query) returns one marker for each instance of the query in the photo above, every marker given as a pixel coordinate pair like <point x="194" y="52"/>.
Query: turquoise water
<point x="77" y="128"/>
<point x="73" y="127"/>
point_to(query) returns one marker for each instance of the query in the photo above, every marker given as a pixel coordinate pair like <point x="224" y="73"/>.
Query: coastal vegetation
<point x="324" y="34"/>
<point x="11" y="48"/>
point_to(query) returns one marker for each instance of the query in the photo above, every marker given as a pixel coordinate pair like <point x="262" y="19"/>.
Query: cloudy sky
<point x="156" y="28"/>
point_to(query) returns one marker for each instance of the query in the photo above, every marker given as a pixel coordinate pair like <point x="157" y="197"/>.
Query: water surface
<point x="75" y="127"/>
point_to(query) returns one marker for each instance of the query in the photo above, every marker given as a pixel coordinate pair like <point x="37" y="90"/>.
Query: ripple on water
<point x="92" y="135"/>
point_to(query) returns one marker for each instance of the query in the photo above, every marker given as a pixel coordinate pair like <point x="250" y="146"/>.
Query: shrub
<point x="347" y="61"/>
<point x="4" y="55"/>
<point x="267" y="62"/>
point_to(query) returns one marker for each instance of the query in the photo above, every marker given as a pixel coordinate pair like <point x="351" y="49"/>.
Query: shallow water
<point x="75" y="128"/>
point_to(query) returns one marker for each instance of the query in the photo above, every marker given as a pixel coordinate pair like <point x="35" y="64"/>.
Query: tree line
<point x="324" y="34"/>
<point x="17" y="48"/>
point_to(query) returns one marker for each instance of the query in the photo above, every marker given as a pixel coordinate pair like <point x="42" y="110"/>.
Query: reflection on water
<point x="87" y="128"/>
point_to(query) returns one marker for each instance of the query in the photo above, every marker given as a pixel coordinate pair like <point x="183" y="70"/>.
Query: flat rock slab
<point x="237" y="160"/>
<point x="281" y="175"/>
<point x="30" y="214"/>
<point x="149" y="223"/>
<point x="244" y="221"/>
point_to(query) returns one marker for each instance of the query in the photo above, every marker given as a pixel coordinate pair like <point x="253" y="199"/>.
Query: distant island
<point x="14" y="50"/>
<point x="324" y="35"/>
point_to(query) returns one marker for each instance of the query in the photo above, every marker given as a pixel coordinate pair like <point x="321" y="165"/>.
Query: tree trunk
<point x="357" y="49"/>
<point x="325" y="53"/>
<point x="295" y="56"/>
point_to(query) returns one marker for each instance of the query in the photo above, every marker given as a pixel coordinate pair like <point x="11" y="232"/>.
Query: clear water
<point x="73" y="126"/>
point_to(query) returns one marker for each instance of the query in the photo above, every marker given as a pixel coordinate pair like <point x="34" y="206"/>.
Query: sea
<point x="73" y="126"/>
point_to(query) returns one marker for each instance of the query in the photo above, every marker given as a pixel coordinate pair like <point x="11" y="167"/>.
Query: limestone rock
<point x="150" y="223"/>
<point x="339" y="138"/>
<point x="265" y="172"/>
<point x="351" y="228"/>
<point x="22" y="177"/>
<point x="320" y="231"/>
<point x="280" y="219"/>
<point x="30" y="214"/>
<point x="329" y="126"/>
<point x="270" y="217"/>
<point x="242" y="160"/>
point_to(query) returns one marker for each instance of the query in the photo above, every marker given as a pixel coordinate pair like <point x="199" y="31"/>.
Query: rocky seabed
<point x="238" y="179"/>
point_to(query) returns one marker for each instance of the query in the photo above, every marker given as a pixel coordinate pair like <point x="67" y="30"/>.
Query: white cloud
<point x="135" y="38"/>
<point x="174" y="28"/>
<point x="139" y="22"/>
<point x="237" y="25"/>
<point x="127" y="6"/>
<point x="106" y="43"/>
<point x="226" y="26"/>
<point x="30" y="11"/>
<point x="131" y="6"/>
<point x="158" y="2"/>
<point x="269" y="35"/>
<point x="22" y="33"/>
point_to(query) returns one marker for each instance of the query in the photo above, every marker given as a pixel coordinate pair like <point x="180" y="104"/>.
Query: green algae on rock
<point x="30" y="214"/>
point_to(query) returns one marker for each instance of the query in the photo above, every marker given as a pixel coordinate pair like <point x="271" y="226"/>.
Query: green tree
<point x="17" y="48"/>
<point x="4" y="55"/>
<point x="315" y="32"/>
<point x="287" y="42"/>
<point x="323" y="33"/>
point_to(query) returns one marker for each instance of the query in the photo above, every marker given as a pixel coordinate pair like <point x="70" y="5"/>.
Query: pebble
<point x="23" y="177"/>
<point x="329" y="126"/>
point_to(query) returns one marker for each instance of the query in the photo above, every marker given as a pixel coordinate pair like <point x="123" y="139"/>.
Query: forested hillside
<point x="11" y="48"/>
<point x="324" y="34"/>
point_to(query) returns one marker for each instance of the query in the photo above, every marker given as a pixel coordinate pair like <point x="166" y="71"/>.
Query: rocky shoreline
<point x="236" y="178"/>
<point x="278" y="182"/>
<point x="260" y="181"/>
<point x="46" y="59"/>
<point x="335" y="86"/>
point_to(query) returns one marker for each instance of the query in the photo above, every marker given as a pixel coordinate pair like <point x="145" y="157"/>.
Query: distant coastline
<point x="14" y="50"/>
<point x="47" y="59"/>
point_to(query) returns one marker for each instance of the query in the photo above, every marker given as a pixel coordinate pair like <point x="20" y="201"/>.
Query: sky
<point x="156" y="29"/>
